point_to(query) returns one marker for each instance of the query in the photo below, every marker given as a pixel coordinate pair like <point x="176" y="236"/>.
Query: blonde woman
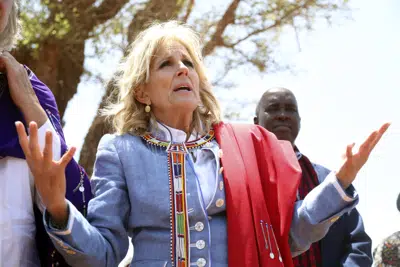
<point x="189" y="189"/>
<point x="23" y="97"/>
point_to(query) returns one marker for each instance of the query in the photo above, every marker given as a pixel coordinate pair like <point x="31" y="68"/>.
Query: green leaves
<point x="39" y="24"/>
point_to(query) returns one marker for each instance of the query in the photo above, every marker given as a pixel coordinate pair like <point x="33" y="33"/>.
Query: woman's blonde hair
<point x="128" y="114"/>
<point x="11" y="33"/>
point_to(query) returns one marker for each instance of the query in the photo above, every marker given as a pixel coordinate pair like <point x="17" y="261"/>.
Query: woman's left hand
<point x="354" y="162"/>
<point x="21" y="90"/>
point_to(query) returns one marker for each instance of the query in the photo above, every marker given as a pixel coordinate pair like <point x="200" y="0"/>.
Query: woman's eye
<point x="188" y="63"/>
<point x="165" y="63"/>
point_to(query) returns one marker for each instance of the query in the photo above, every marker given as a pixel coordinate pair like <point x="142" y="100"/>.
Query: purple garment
<point x="78" y="185"/>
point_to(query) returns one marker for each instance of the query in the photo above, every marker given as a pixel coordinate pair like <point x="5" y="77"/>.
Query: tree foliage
<point x="236" y="33"/>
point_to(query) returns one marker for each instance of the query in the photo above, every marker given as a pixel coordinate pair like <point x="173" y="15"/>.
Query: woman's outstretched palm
<point x="49" y="175"/>
<point x="354" y="162"/>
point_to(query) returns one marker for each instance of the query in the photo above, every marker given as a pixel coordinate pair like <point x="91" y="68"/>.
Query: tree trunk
<point x="59" y="62"/>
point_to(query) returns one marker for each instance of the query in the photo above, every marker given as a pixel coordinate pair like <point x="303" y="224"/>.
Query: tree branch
<point x="287" y="16"/>
<point x="188" y="11"/>
<point x="107" y="10"/>
<point x="155" y="10"/>
<point x="227" y="18"/>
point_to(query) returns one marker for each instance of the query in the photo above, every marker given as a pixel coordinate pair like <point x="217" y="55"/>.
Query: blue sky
<point x="347" y="84"/>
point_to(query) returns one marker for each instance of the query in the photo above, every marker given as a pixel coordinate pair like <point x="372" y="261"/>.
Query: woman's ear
<point x="142" y="96"/>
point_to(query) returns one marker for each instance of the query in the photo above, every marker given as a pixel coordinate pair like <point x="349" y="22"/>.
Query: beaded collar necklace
<point x="150" y="139"/>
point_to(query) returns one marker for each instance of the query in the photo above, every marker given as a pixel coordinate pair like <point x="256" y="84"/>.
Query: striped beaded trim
<point x="179" y="219"/>
<point x="180" y="253"/>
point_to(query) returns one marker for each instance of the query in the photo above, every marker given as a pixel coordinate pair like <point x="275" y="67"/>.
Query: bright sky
<point x="347" y="84"/>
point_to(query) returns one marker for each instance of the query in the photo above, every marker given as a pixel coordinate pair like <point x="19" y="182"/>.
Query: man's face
<point x="278" y="113"/>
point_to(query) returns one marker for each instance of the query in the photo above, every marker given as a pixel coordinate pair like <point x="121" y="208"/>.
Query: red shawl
<point x="261" y="177"/>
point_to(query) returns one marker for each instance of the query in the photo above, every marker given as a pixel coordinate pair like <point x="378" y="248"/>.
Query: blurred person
<point x="387" y="253"/>
<point x="23" y="97"/>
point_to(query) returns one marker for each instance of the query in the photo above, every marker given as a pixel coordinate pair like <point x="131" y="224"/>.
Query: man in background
<point x="346" y="243"/>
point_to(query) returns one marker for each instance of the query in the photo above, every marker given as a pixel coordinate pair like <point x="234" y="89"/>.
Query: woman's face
<point x="173" y="84"/>
<point x="5" y="9"/>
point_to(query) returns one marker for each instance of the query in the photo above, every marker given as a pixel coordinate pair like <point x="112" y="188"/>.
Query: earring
<point x="147" y="109"/>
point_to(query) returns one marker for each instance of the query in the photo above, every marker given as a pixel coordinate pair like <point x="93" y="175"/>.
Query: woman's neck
<point x="180" y="121"/>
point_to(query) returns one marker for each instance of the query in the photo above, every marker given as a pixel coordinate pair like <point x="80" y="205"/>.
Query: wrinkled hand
<point x="21" y="90"/>
<point x="354" y="162"/>
<point x="49" y="175"/>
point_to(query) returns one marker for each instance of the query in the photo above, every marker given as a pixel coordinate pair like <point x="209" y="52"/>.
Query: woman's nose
<point x="183" y="69"/>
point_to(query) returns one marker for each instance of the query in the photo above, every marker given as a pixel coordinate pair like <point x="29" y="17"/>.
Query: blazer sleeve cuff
<point x="348" y="195"/>
<point x="60" y="232"/>
<point x="329" y="201"/>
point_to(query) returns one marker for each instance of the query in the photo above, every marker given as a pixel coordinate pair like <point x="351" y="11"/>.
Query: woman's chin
<point x="185" y="106"/>
<point x="186" y="102"/>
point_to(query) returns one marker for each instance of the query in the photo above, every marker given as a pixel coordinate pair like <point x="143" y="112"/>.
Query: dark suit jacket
<point x="346" y="244"/>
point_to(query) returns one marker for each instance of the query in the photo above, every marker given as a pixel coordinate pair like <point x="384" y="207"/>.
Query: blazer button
<point x="201" y="262"/>
<point x="200" y="244"/>
<point x="199" y="226"/>
<point x="220" y="202"/>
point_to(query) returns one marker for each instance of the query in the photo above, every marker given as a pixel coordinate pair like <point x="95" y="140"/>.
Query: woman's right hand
<point x="49" y="175"/>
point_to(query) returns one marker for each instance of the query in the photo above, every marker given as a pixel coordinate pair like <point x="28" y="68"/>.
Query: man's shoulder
<point x="320" y="168"/>
<point x="322" y="171"/>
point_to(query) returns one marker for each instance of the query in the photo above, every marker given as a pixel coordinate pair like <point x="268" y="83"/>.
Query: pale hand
<point x="49" y="175"/>
<point x="354" y="162"/>
<point x="21" y="90"/>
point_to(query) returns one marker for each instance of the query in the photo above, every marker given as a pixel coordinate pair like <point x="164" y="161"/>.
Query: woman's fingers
<point x="33" y="141"/>
<point x="23" y="138"/>
<point x="48" y="148"/>
<point x="349" y="151"/>
<point x="66" y="158"/>
<point x="365" y="147"/>
<point x="380" y="133"/>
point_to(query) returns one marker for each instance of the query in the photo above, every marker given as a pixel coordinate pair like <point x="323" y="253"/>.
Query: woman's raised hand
<point x="49" y="175"/>
<point x="353" y="162"/>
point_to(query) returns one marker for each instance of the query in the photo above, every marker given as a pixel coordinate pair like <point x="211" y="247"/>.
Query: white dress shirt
<point x="17" y="196"/>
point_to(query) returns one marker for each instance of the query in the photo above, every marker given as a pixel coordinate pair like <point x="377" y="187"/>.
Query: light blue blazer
<point x="130" y="185"/>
